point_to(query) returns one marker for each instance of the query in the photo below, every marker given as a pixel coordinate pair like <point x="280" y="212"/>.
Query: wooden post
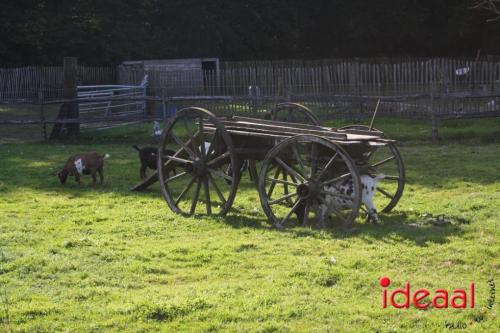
<point x="42" y="114"/>
<point x="164" y="104"/>
<point x="70" y="82"/>
<point x="434" y="121"/>
<point x="68" y="110"/>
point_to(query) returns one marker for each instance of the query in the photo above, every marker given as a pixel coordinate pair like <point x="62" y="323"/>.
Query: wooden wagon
<point x="298" y="159"/>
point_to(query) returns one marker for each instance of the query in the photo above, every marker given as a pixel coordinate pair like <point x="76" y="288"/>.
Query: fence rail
<point x="92" y="102"/>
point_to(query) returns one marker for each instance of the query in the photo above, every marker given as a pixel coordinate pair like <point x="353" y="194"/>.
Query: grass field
<point x="104" y="259"/>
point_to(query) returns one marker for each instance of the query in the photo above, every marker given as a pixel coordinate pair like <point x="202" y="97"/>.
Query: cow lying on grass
<point x="346" y="188"/>
<point x="83" y="164"/>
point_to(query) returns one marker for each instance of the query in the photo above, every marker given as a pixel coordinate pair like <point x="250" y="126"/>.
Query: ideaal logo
<point x="440" y="299"/>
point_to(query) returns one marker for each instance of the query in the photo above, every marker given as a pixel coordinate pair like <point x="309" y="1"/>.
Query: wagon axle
<point x="308" y="190"/>
<point x="198" y="167"/>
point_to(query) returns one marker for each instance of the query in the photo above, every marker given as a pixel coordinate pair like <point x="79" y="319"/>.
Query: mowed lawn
<point x="104" y="259"/>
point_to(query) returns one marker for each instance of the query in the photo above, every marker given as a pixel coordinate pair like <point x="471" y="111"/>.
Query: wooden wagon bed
<point x="252" y="127"/>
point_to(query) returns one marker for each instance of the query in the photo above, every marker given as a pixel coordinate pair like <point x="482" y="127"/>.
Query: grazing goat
<point x="346" y="188"/>
<point x="83" y="164"/>
<point x="149" y="157"/>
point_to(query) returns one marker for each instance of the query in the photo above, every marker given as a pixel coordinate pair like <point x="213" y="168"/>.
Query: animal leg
<point x="77" y="178"/>
<point x="322" y="213"/>
<point x="101" y="176"/>
<point x="142" y="172"/>
<point x="93" y="177"/>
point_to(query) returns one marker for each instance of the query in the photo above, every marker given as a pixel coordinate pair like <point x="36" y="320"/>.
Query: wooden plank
<point x="289" y="129"/>
<point x="283" y="123"/>
<point x="275" y="135"/>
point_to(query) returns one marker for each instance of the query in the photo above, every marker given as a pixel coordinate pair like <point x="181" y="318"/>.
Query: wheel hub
<point x="308" y="190"/>
<point x="197" y="167"/>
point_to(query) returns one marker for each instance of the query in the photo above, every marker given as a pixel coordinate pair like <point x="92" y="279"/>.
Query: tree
<point x="491" y="6"/>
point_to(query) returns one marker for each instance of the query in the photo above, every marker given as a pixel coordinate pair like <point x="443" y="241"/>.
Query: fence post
<point x="68" y="110"/>
<point x="164" y="105"/>
<point x="42" y="114"/>
<point x="70" y="77"/>
<point x="434" y="120"/>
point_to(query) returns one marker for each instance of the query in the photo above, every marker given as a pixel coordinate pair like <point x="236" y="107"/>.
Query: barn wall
<point x="172" y="77"/>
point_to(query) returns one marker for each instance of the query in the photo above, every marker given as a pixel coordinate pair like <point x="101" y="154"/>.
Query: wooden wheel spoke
<point x="286" y="197"/>
<point x="177" y="159"/>
<point x="216" y="188"/>
<point x="183" y="145"/>
<point x="314" y="158"/>
<point x="294" y="179"/>
<point x="195" y="198"/>
<point x="289" y="169"/>
<point x="327" y="166"/>
<point x="207" y="195"/>
<point x="336" y="179"/>
<point x="202" y="139"/>
<point x="285" y="178"/>
<point x="384" y="192"/>
<point x="383" y="161"/>
<point x="218" y="158"/>
<point x="212" y="143"/>
<point x="299" y="160"/>
<point x="190" y="142"/>
<point x="221" y="174"/>
<point x="295" y="205"/>
<point x="273" y="182"/>
<point x="175" y="177"/>
<point x="170" y="160"/>
<point x="282" y="182"/>
<point x="185" y="190"/>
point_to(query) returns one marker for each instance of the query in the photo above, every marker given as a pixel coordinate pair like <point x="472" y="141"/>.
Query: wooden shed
<point x="173" y="77"/>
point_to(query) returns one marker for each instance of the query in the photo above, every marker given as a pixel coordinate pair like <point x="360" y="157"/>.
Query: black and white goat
<point x="346" y="188"/>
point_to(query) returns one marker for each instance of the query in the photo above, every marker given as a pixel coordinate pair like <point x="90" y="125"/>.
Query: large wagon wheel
<point x="317" y="168"/>
<point x="203" y="151"/>
<point x="386" y="160"/>
<point x="294" y="113"/>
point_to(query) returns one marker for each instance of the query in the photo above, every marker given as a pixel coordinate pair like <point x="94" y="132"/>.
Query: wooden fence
<point x="26" y="82"/>
<point x="323" y="78"/>
<point x="274" y="78"/>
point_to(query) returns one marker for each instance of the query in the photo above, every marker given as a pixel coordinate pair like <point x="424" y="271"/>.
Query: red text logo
<point x="439" y="299"/>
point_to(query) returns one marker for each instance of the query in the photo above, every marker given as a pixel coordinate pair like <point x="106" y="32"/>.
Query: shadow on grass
<point x="395" y="227"/>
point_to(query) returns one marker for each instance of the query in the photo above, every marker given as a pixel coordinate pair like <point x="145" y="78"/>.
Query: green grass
<point x="84" y="259"/>
<point x="467" y="130"/>
<point x="104" y="259"/>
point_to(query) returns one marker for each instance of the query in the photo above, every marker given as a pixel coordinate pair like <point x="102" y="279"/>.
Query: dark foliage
<point x="109" y="31"/>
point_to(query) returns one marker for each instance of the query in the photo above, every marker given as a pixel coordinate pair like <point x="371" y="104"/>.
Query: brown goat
<point x="86" y="164"/>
